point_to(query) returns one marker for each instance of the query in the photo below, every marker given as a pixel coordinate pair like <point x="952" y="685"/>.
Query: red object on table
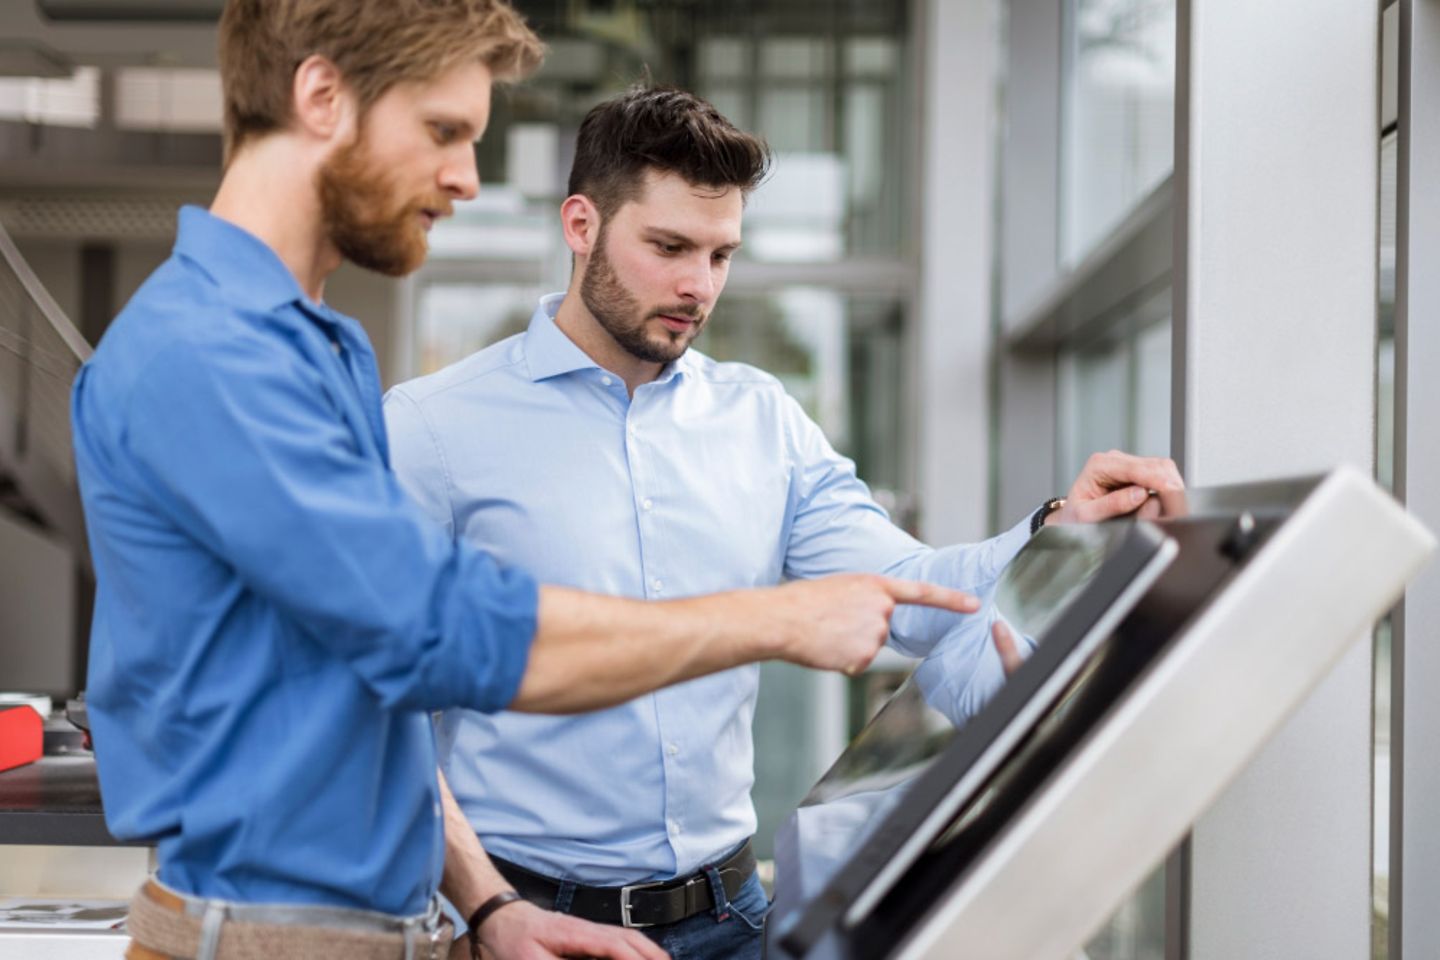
<point x="22" y="736"/>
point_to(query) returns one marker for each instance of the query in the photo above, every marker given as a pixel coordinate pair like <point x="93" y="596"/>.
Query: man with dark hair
<point x="597" y="449"/>
<point x="275" y="618"/>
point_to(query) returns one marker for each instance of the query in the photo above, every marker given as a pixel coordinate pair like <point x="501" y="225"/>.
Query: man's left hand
<point x="1115" y="484"/>
<point x="1009" y="649"/>
<point x="525" y="932"/>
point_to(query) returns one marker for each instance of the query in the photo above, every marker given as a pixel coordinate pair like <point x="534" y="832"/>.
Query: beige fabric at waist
<point x="160" y="925"/>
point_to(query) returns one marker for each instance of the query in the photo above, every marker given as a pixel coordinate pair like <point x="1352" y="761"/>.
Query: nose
<point x="460" y="178"/>
<point x="697" y="280"/>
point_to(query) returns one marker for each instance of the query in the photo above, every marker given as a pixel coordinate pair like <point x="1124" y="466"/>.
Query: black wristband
<point x="1037" y="519"/>
<point x="483" y="912"/>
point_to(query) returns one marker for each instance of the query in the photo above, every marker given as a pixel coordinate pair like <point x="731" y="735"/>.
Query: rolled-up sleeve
<point x="254" y="458"/>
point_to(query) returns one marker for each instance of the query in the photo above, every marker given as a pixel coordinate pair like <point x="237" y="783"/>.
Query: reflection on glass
<point x="946" y="691"/>
<point x="1120" y="114"/>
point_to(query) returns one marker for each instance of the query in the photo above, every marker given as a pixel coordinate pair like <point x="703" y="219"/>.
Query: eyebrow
<point x="671" y="236"/>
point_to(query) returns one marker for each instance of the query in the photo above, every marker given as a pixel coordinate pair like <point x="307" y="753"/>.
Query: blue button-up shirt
<point x="710" y="478"/>
<point x="274" y="618"/>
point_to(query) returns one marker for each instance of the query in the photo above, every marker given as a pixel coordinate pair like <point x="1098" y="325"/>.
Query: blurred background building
<point x="994" y="241"/>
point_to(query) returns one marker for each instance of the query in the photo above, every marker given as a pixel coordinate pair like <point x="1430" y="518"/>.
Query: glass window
<point x="1385" y="474"/>
<point x="794" y="119"/>
<point x="1096" y="386"/>
<point x="871" y="57"/>
<point x="1137" y="930"/>
<point x="456" y="319"/>
<point x="70" y="102"/>
<point x="1115" y="390"/>
<point x="1116" y="394"/>
<point x="1152" y="391"/>
<point x="724" y="58"/>
<point x="794" y="58"/>
<point x="1119" y="114"/>
<point x="153" y="98"/>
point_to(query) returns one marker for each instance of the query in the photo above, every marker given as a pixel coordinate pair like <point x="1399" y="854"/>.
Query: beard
<point x="618" y="311"/>
<point x="364" y="217"/>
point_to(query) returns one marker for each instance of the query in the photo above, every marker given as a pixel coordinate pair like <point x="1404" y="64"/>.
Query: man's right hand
<point x="522" y="931"/>
<point x="840" y="622"/>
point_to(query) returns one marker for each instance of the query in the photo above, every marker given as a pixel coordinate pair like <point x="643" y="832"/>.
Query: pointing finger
<point x="929" y="595"/>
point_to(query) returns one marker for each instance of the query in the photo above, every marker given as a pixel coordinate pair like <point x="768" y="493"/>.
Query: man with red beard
<point x="597" y="449"/>
<point x="275" y="618"/>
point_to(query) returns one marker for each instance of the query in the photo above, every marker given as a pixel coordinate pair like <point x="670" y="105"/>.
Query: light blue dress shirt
<point x="711" y="478"/>
<point x="275" y="618"/>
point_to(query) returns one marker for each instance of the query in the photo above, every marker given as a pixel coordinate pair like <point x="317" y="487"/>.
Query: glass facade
<point x="1119" y="103"/>
<point x="1114" y="147"/>
<point x="1385" y="474"/>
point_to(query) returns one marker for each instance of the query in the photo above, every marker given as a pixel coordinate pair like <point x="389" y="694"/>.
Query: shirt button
<point x="647" y="503"/>
<point x="657" y="584"/>
<point x="606" y="380"/>
<point x="630" y="428"/>
<point x="675" y="827"/>
<point x="671" y="749"/>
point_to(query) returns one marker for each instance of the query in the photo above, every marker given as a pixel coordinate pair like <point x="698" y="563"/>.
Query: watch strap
<point x="1037" y="519"/>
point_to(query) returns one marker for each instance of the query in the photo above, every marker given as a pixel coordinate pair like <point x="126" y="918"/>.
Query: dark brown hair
<point x="665" y="129"/>
<point x="374" y="43"/>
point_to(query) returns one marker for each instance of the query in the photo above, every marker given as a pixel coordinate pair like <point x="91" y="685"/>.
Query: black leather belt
<point x="639" y="904"/>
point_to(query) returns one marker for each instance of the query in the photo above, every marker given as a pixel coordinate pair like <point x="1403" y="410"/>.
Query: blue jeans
<point x="733" y="930"/>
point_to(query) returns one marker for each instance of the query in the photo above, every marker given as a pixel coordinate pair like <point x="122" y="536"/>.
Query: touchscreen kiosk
<point x="1015" y="832"/>
<point x="1062" y="595"/>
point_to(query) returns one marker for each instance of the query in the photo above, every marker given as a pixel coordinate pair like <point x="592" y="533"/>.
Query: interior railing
<point x="40" y="353"/>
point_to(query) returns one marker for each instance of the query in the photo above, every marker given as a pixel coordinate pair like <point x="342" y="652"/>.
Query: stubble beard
<point x="619" y="313"/>
<point x="365" y="219"/>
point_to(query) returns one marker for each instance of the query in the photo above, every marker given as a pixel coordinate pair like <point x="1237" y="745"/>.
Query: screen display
<point x="1064" y="583"/>
<point x="921" y="795"/>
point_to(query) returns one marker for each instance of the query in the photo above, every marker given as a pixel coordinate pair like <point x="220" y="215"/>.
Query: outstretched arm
<point x="592" y="651"/>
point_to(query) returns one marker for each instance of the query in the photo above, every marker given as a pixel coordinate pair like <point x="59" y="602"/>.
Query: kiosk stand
<point x="1163" y="660"/>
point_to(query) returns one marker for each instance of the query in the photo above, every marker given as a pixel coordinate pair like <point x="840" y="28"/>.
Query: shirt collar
<point x="550" y="353"/>
<point x="237" y="260"/>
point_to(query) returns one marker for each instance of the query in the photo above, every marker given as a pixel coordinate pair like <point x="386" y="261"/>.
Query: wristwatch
<point x="1037" y="519"/>
<point x="483" y="912"/>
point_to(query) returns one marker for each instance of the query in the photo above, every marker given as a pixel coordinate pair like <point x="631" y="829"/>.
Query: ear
<point x="580" y="221"/>
<point x="324" y="105"/>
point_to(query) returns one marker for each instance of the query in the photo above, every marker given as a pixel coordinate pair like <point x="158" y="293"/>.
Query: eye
<point x="723" y="257"/>
<point x="668" y="249"/>
<point x="444" y="132"/>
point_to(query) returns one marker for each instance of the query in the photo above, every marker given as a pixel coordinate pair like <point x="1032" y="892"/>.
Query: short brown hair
<point x="665" y="129"/>
<point x="376" y="44"/>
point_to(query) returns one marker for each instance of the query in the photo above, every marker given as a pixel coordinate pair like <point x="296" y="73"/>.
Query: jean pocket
<point x="751" y="905"/>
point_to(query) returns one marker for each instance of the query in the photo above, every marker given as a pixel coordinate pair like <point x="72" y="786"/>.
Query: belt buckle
<point x="625" y="892"/>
